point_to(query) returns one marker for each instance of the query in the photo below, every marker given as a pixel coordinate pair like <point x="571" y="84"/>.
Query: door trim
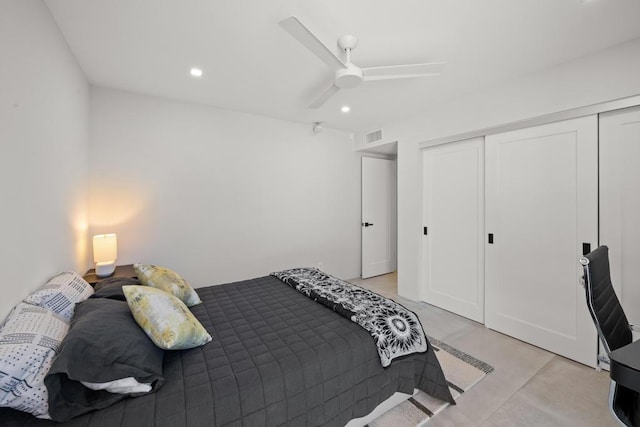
<point x="573" y="113"/>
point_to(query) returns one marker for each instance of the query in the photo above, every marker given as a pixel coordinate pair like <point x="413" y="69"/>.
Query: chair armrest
<point x="634" y="328"/>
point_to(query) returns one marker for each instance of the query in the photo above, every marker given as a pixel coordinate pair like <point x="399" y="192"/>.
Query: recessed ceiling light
<point x="196" y="72"/>
<point x="345" y="109"/>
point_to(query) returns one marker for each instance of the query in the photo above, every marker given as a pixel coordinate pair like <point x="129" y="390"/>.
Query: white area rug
<point x="462" y="372"/>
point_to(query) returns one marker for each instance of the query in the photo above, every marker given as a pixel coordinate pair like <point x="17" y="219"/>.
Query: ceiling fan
<point x="347" y="75"/>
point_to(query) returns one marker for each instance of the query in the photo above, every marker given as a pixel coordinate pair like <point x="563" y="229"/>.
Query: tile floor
<point x="529" y="387"/>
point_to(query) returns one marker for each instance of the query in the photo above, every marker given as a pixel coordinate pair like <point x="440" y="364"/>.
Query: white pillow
<point x="61" y="294"/>
<point x="123" y="386"/>
<point x="29" y="340"/>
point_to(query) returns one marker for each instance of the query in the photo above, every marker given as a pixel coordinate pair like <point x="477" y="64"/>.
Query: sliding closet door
<point x="453" y="227"/>
<point x="541" y="206"/>
<point x="620" y="203"/>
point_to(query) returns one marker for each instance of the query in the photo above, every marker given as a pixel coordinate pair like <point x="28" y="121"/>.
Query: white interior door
<point x="541" y="206"/>
<point x="453" y="227"/>
<point x="620" y="203"/>
<point x="378" y="216"/>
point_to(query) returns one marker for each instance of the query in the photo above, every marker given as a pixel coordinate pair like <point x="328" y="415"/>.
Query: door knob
<point x="367" y="224"/>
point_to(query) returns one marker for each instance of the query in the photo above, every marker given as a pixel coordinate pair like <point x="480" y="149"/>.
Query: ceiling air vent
<point x="374" y="136"/>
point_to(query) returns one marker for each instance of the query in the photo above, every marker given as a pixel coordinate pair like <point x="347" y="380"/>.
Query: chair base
<point x="624" y="405"/>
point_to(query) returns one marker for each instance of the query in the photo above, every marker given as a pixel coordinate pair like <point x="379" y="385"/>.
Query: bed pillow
<point x="104" y="345"/>
<point x="165" y="319"/>
<point x="112" y="287"/>
<point x="167" y="280"/>
<point x="127" y="385"/>
<point x="29" y="340"/>
<point x="61" y="293"/>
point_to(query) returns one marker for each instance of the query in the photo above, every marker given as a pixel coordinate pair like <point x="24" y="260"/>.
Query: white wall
<point x="44" y="101"/>
<point x="220" y="196"/>
<point x="607" y="75"/>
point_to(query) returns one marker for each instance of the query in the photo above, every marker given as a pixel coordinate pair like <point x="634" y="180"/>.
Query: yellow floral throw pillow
<point x="164" y="318"/>
<point x="167" y="280"/>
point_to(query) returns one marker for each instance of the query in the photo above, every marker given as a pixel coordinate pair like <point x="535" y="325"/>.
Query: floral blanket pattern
<point x="396" y="331"/>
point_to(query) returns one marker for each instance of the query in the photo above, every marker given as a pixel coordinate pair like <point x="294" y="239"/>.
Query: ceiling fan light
<point x="347" y="78"/>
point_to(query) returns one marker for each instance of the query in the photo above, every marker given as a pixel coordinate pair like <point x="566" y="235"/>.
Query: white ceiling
<point x="251" y="64"/>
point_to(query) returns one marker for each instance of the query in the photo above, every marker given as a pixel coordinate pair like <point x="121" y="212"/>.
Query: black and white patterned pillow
<point x="29" y="340"/>
<point x="61" y="293"/>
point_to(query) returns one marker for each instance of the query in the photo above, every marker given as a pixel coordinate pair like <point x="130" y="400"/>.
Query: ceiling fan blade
<point x="301" y="33"/>
<point x="324" y="97"/>
<point x="402" y="71"/>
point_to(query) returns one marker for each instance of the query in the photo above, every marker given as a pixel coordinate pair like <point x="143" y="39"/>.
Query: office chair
<point x="613" y="329"/>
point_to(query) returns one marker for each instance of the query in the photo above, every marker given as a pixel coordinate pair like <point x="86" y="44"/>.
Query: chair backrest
<point x="604" y="306"/>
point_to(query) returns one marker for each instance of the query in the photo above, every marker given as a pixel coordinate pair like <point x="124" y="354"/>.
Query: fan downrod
<point x="351" y="76"/>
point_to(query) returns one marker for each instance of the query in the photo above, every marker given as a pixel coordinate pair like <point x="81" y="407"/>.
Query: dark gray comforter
<point x="277" y="358"/>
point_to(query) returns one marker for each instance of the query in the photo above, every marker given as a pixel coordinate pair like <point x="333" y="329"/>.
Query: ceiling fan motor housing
<point x="347" y="78"/>
<point x="346" y="74"/>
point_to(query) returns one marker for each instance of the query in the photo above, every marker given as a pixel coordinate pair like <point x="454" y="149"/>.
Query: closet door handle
<point x="490" y="239"/>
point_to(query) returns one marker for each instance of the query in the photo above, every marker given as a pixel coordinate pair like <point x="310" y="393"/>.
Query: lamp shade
<point x="105" y="248"/>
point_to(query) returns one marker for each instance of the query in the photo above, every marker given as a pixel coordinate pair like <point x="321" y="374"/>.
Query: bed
<point x="276" y="358"/>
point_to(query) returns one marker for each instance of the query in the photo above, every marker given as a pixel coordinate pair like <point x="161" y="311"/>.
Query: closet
<point x="620" y="203"/>
<point x="508" y="216"/>
<point x="541" y="207"/>
<point x="453" y="227"/>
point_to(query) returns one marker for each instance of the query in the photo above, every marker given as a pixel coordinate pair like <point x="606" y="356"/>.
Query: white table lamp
<point x="105" y="253"/>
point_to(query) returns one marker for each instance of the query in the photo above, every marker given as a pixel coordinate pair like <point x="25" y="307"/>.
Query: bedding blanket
<point x="277" y="358"/>
<point x="396" y="331"/>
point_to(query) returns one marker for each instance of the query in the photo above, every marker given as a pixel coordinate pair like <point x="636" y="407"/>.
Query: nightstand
<point x="121" y="271"/>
